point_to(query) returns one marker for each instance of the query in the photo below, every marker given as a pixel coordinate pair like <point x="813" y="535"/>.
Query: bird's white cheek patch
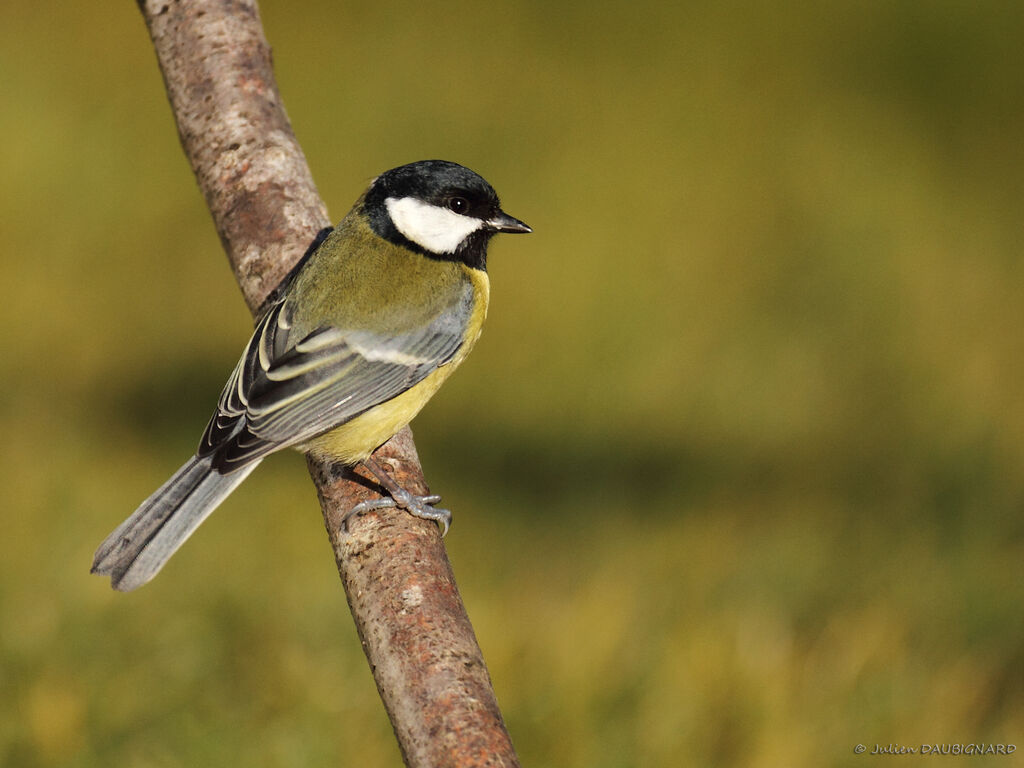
<point x="438" y="230"/>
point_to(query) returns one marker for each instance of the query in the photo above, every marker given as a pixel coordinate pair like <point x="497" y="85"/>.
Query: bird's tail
<point x="139" y="547"/>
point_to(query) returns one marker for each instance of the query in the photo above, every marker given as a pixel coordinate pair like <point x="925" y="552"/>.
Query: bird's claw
<point x="417" y="506"/>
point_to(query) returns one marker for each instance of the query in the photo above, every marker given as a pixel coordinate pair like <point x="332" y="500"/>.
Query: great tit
<point x="351" y="346"/>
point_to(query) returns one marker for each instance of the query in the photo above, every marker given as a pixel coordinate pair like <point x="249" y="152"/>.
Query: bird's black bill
<point x="505" y="223"/>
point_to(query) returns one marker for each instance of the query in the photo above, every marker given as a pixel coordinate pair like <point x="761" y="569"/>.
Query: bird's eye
<point x="458" y="204"/>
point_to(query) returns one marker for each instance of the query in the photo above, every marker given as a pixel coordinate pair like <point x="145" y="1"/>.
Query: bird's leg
<point x="417" y="506"/>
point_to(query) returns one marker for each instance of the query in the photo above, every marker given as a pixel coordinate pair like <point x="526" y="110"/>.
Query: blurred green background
<point x="737" y="468"/>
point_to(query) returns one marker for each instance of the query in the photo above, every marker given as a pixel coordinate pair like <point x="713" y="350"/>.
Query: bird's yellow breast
<point x="355" y="440"/>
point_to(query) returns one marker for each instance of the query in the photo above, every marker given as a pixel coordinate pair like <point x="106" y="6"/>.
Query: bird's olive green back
<point x="358" y="280"/>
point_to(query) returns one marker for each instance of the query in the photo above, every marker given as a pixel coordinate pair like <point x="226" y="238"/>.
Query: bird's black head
<point x="440" y="209"/>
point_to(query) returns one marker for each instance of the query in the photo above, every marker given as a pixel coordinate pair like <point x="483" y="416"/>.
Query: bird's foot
<point x="417" y="506"/>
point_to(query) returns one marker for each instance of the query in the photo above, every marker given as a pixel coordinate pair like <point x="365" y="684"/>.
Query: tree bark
<point x="216" y="66"/>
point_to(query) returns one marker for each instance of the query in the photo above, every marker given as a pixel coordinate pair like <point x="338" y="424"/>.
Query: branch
<point x="424" y="656"/>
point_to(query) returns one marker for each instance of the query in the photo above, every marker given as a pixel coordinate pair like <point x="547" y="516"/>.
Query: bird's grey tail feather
<point x="139" y="547"/>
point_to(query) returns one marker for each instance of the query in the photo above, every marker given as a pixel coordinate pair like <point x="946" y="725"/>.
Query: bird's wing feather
<point x="285" y="391"/>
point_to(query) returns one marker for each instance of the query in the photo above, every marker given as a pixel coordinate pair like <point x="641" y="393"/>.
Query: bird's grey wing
<point x="272" y="333"/>
<point x="283" y="393"/>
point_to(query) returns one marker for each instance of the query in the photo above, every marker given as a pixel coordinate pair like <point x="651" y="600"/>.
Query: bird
<point x="348" y="348"/>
